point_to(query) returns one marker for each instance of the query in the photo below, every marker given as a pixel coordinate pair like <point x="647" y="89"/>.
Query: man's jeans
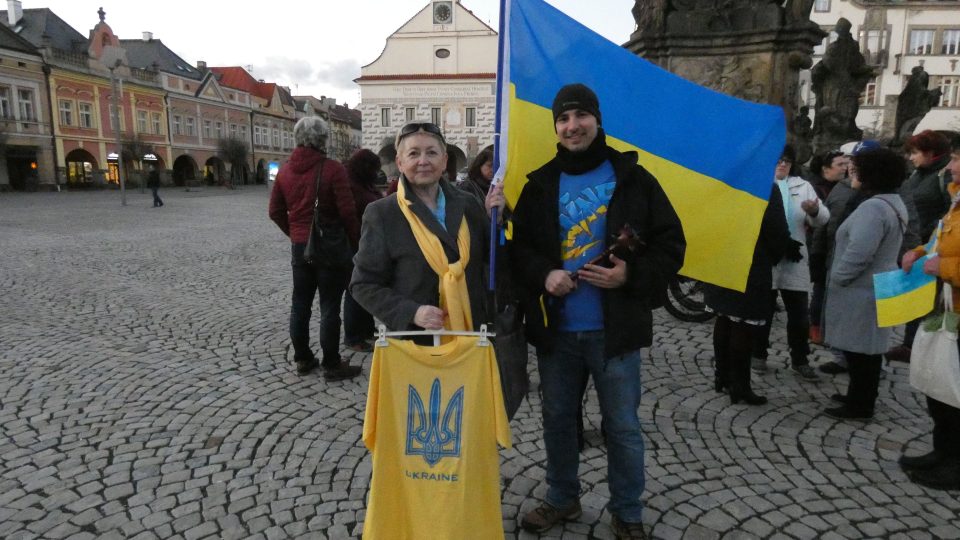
<point x="563" y="373"/>
<point x="307" y="281"/>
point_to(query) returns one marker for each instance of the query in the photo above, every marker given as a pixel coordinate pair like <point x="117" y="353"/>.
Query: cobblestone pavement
<point x="145" y="392"/>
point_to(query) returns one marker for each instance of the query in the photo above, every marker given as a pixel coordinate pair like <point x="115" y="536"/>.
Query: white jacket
<point x="795" y="276"/>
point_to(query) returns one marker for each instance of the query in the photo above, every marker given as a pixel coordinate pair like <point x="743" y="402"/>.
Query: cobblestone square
<point x="146" y="392"/>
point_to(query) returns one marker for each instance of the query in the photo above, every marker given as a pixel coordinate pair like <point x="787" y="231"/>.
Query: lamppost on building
<point x="113" y="58"/>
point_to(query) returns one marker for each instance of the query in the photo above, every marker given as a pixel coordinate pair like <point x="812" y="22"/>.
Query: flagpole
<point x="494" y="226"/>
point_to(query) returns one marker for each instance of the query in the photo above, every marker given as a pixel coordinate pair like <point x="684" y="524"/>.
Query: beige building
<point x="895" y="37"/>
<point x="439" y="67"/>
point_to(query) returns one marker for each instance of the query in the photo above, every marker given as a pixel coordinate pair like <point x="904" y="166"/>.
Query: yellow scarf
<point x="454" y="298"/>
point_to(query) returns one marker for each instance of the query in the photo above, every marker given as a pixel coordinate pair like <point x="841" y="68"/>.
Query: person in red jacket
<point x="291" y="208"/>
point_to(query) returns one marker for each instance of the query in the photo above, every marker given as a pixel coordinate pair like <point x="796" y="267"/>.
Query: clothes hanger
<point x="382" y="335"/>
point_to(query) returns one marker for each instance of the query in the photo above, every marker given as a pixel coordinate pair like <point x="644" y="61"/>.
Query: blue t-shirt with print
<point x="583" y="226"/>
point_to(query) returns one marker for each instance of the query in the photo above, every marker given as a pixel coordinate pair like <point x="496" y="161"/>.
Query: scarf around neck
<point x="454" y="295"/>
<point x="588" y="160"/>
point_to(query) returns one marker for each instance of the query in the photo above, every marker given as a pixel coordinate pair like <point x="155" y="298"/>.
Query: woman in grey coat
<point x="867" y="243"/>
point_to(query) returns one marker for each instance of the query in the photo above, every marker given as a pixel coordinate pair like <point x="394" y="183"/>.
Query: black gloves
<point x="792" y="253"/>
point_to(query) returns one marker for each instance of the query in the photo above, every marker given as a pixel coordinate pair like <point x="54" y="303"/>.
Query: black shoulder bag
<point x="327" y="246"/>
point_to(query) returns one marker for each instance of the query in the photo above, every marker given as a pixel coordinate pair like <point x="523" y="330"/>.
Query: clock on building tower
<point x="442" y="12"/>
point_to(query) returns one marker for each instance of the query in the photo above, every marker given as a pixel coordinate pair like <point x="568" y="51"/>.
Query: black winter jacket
<point x="637" y="200"/>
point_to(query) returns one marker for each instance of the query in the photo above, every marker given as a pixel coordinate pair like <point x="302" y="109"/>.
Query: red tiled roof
<point x="240" y="79"/>
<point x="426" y="76"/>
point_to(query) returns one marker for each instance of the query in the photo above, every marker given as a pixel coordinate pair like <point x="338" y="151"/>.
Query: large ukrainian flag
<point x="713" y="154"/>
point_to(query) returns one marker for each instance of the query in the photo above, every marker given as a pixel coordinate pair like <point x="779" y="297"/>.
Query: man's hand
<point x="559" y="283"/>
<point x="605" y="278"/>
<point x="932" y="266"/>
<point x="429" y="318"/>
<point x="495" y="199"/>
<point x="811" y="207"/>
<point x="909" y="258"/>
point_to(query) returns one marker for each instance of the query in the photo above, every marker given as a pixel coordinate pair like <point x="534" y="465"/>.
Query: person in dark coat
<point x="362" y="169"/>
<point x="153" y="182"/>
<point x="827" y="170"/>
<point x="740" y="315"/>
<point x="479" y="175"/>
<point x="291" y="208"/>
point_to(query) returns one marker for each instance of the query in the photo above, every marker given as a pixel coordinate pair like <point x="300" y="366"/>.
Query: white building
<point x="894" y="37"/>
<point x="439" y="67"/>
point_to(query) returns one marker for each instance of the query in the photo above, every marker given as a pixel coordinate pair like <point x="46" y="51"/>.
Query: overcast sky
<point x="315" y="48"/>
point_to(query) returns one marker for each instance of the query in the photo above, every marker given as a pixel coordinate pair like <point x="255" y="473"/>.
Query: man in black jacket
<point x="591" y="319"/>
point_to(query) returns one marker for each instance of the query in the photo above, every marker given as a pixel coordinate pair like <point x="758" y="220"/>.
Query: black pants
<point x="910" y="331"/>
<point x="864" y="381"/>
<point x="156" y="196"/>
<point x="946" y="428"/>
<point x="816" y="302"/>
<point x="732" y="342"/>
<point x="307" y="282"/>
<point x="357" y="323"/>
<point x="798" y="327"/>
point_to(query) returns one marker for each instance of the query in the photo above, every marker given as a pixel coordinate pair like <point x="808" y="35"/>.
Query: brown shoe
<point x="545" y="516"/>
<point x="628" y="531"/>
<point x="900" y="353"/>
<point x="340" y="372"/>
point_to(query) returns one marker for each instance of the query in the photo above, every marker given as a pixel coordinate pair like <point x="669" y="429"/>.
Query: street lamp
<point x="112" y="57"/>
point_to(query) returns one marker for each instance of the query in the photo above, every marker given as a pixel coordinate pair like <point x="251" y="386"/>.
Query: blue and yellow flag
<point x="901" y="296"/>
<point x="713" y="154"/>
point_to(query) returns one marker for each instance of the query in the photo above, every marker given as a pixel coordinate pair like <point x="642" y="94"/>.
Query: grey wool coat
<point x="868" y="243"/>
<point x="392" y="279"/>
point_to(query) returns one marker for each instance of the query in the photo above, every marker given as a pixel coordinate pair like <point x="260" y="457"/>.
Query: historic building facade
<point x="439" y="67"/>
<point x="894" y="38"/>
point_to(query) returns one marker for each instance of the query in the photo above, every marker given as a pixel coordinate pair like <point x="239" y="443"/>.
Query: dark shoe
<point x="720" y="385"/>
<point x="844" y="412"/>
<point x="833" y="368"/>
<point x="839" y="398"/>
<point x="806" y="373"/>
<point x="545" y="516"/>
<point x="628" y="531"/>
<point x="900" y="353"/>
<point x="362" y="346"/>
<point x="340" y="372"/>
<point x="747" y="397"/>
<point x="919" y="463"/>
<point x="945" y="475"/>
<point x="306" y="366"/>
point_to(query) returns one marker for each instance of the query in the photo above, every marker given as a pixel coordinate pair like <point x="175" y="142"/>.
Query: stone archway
<point x="456" y="160"/>
<point x="262" y="172"/>
<point x="80" y="167"/>
<point x="184" y="170"/>
<point x="213" y="171"/>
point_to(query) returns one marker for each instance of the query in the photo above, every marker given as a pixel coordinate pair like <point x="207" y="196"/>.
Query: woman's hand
<point x="605" y="278"/>
<point x="908" y="259"/>
<point x="495" y="199"/>
<point x="559" y="283"/>
<point x="811" y="207"/>
<point x="429" y="318"/>
<point x="932" y="266"/>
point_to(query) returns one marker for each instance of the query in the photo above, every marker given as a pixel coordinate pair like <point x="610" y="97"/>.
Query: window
<point x="256" y="135"/>
<point x="219" y="130"/>
<point x="821" y="6"/>
<point x="233" y="130"/>
<point x="384" y="117"/>
<point x="207" y="129"/>
<point x="951" y="42"/>
<point x="435" y="115"/>
<point x="156" y="123"/>
<point x="141" y="121"/>
<point x="276" y="138"/>
<point x="411" y="113"/>
<point x="86" y="115"/>
<point x="869" y="95"/>
<point x="191" y="126"/>
<point x="66" y="112"/>
<point x="177" y="122"/>
<point x="243" y="133"/>
<point x="871" y="41"/>
<point x="5" y="110"/>
<point x="471" y="115"/>
<point x="950" y="86"/>
<point x="25" y="97"/>
<point x="114" y="124"/>
<point x="921" y="42"/>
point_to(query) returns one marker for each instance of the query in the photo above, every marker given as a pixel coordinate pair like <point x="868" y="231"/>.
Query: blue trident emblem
<point x="431" y="437"/>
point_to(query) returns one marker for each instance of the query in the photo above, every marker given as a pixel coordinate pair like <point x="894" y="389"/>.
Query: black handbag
<point x="510" y="346"/>
<point x="327" y="246"/>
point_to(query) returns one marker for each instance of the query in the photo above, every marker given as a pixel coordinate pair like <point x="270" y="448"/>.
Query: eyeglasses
<point x="784" y="161"/>
<point x="420" y="126"/>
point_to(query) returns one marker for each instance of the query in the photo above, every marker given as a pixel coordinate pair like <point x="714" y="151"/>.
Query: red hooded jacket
<point x="291" y="201"/>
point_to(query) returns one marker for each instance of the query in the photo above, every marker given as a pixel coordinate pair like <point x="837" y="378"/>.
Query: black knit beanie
<point x="576" y="96"/>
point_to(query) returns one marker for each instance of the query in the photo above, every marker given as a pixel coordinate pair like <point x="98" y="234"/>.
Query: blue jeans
<point x="307" y="282"/>
<point x="563" y="373"/>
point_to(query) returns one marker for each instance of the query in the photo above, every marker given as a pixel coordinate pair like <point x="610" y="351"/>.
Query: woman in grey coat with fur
<point x="867" y="243"/>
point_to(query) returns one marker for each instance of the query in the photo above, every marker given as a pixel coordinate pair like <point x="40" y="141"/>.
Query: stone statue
<point x="650" y="16"/>
<point x="798" y="12"/>
<point x="914" y="103"/>
<point x="693" y="17"/>
<point x="802" y="132"/>
<point x="837" y="81"/>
